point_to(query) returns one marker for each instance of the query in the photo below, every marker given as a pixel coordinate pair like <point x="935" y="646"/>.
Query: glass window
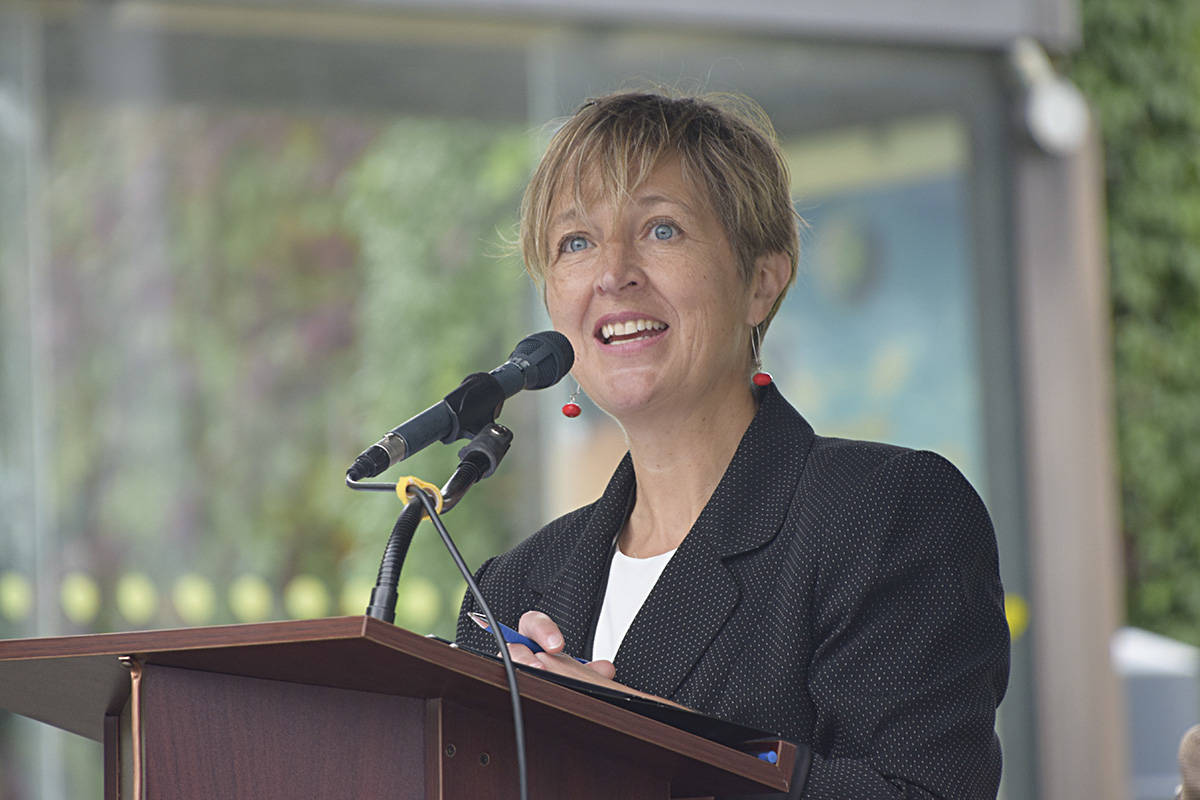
<point x="239" y="244"/>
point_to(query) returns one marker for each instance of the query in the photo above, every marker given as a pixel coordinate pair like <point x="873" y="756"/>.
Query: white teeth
<point x="611" y="329"/>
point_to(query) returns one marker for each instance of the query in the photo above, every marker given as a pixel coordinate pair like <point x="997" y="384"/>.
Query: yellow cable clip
<point x="403" y="484"/>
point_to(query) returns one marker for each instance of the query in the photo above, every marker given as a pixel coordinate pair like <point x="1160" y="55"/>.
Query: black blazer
<point x="845" y="594"/>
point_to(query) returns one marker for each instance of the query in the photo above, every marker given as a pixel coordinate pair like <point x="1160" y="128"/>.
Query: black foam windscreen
<point x="549" y="356"/>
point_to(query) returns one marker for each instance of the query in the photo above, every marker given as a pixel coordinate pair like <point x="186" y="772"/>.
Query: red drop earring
<point x="571" y="409"/>
<point x="759" y="378"/>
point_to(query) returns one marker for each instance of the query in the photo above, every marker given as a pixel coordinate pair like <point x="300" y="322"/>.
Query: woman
<point x="844" y="594"/>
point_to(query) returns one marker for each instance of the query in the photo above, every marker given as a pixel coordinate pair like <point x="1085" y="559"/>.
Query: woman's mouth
<point x="630" y="330"/>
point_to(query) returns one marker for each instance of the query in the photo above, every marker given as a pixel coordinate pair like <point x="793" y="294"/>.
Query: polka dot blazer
<point x="843" y="594"/>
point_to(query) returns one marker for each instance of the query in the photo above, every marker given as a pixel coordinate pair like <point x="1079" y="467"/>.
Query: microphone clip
<point x="473" y="406"/>
<point x="478" y="459"/>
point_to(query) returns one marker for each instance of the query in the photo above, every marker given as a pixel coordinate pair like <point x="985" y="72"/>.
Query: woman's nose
<point x="620" y="269"/>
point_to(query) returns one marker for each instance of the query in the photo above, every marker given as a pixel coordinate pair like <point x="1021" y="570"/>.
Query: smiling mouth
<point x="630" y="330"/>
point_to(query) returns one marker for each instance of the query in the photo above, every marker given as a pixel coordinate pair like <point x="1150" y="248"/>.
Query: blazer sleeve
<point x="911" y="647"/>
<point x="468" y="634"/>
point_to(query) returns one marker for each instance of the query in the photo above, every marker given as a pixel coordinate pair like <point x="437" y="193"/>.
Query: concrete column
<point x="1070" y="470"/>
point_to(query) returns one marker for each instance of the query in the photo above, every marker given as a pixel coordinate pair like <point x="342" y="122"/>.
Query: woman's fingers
<point x="541" y="629"/>
<point x="563" y="665"/>
<point x="592" y="672"/>
<point x="603" y="668"/>
<point x="597" y="672"/>
<point x="520" y="654"/>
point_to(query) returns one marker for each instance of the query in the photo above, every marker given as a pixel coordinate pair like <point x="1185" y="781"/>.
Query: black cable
<point x="509" y="671"/>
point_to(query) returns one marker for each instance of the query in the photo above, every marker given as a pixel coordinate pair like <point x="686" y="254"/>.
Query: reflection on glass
<point x="878" y="340"/>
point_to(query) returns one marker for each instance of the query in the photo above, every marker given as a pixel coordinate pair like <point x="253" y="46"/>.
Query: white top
<point x="629" y="583"/>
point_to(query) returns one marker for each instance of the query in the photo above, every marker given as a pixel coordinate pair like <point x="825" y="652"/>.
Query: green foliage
<point x="1140" y="67"/>
<point x="429" y="205"/>
<point x="241" y="301"/>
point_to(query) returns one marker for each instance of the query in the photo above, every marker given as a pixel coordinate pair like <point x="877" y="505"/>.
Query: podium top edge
<point x="197" y="638"/>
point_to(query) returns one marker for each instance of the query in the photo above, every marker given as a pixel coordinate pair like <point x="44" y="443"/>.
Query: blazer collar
<point x="748" y="506"/>
<point x="744" y="513"/>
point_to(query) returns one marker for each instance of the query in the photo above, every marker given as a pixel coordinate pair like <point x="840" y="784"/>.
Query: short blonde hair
<point x="726" y="144"/>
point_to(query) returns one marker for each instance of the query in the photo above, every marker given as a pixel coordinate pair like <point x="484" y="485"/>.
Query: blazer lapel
<point x="571" y="587"/>
<point x="697" y="592"/>
<point x="682" y="615"/>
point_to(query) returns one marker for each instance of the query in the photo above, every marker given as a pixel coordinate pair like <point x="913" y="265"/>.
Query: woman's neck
<point x="679" y="460"/>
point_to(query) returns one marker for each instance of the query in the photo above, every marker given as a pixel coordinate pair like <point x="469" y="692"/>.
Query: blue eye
<point x="573" y="244"/>
<point x="663" y="231"/>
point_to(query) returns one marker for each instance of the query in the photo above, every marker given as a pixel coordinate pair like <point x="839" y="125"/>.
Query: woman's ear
<point x="772" y="272"/>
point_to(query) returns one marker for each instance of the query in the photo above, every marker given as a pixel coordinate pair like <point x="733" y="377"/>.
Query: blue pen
<point x="510" y="636"/>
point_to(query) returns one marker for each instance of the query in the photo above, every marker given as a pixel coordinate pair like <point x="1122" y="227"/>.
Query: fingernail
<point x="554" y="640"/>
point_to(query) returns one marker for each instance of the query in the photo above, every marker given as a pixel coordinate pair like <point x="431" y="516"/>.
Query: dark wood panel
<point x="479" y="760"/>
<point x="433" y="749"/>
<point x="209" y="735"/>
<point x="112" y="756"/>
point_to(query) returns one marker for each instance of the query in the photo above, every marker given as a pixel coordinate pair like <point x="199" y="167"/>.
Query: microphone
<point x="538" y="361"/>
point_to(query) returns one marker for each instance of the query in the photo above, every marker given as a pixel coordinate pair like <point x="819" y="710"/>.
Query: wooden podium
<point x="349" y="707"/>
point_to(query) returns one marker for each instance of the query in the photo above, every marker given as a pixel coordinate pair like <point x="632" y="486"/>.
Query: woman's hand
<point x="545" y="632"/>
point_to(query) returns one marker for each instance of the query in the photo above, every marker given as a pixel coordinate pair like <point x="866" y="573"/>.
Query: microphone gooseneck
<point x="538" y="361"/>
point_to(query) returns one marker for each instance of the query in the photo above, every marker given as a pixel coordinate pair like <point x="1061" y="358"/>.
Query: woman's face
<point x="650" y="296"/>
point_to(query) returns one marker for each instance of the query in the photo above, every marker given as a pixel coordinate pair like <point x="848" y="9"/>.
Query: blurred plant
<point x="430" y="204"/>
<point x="242" y="301"/>
<point x="1140" y="67"/>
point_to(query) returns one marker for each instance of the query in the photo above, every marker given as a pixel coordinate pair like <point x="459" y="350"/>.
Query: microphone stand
<point x="478" y="460"/>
